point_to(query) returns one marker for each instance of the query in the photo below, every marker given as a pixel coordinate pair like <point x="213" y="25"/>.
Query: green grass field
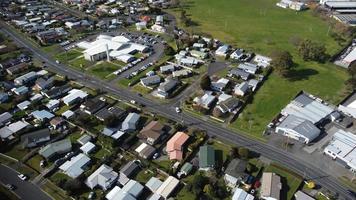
<point x="262" y="27"/>
<point x="69" y="55"/>
<point x="103" y="70"/>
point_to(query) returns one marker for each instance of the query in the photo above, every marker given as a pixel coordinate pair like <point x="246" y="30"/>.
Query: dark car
<point x="10" y="186"/>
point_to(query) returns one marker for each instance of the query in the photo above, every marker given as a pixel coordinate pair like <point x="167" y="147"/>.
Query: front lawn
<point x="68" y="55"/>
<point x="80" y="63"/>
<point x="34" y="163"/>
<point x="103" y="70"/>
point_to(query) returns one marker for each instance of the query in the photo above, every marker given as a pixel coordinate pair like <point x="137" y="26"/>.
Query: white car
<point x="57" y="61"/>
<point x="178" y="110"/>
<point x="23" y="177"/>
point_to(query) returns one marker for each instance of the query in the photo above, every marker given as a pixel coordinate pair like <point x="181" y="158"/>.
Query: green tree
<point x="209" y="191"/>
<point x="244" y="153"/>
<point x="282" y="62"/>
<point x="205" y="82"/>
<point x="312" y="51"/>
<point x="198" y="183"/>
<point x="352" y="70"/>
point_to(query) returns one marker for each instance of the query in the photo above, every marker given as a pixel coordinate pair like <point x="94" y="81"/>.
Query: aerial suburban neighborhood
<point x="178" y="99"/>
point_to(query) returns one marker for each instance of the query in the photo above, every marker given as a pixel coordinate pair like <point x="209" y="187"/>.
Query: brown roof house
<point x="152" y="132"/>
<point x="271" y="186"/>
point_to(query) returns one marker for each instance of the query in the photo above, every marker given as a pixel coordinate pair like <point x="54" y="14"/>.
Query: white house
<point x="104" y="177"/>
<point x="75" y="166"/>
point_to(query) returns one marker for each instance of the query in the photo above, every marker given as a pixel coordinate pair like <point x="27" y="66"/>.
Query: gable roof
<point x="154" y="129"/>
<point x="174" y="145"/>
<point x="129" y="168"/>
<point x="60" y="146"/>
<point x="206" y="156"/>
<point x="104" y="177"/>
<point x="35" y="136"/>
<point x="236" y="168"/>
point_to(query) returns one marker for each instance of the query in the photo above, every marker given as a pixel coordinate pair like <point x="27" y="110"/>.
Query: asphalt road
<point x="290" y="161"/>
<point x="24" y="189"/>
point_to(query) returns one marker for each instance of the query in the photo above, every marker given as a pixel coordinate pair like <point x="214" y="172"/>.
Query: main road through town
<point x="290" y="161"/>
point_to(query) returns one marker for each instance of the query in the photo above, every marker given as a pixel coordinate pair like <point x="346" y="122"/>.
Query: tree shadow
<point x="302" y="74"/>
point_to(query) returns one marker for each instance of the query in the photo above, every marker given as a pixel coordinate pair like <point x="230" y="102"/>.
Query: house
<point x="84" y="139"/>
<point x="198" y="54"/>
<point x="237" y="54"/>
<point x="88" y="147"/>
<point x="299" y="195"/>
<point x="35" y="138"/>
<point x="5" y="118"/>
<point x="74" y="96"/>
<point x="219" y="85"/>
<point x="248" y="67"/>
<point x="185" y="170"/>
<point x="342" y="148"/>
<point x="235" y="172"/>
<point x="189" y="61"/>
<point x="92" y="106"/>
<point x="57" y="91"/>
<point x="53" y="104"/>
<point x="57" y="122"/>
<point x="24" y="105"/>
<point x="42" y="115"/>
<point x="17" y="68"/>
<point x="106" y="113"/>
<point x="238" y="73"/>
<point x="141" y="25"/>
<point x="271" y="186"/>
<point x="168" y="187"/>
<point x="43" y="83"/>
<point x="104" y="177"/>
<point x="129" y="191"/>
<point x="241" y="194"/>
<point x="175" y="146"/>
<point x="229" y="105"/>
<point x="166" y="69"/>
<point x="26" y="78"/>
<point x="298" y="128"/>
<point x="206" y="100"/>
<point x="145" y="151"/>
<point x="130" y="122"/>
<point x="159" y="20"/>
<point x="20" y="90"/>
<point x="68" y="114"/>
<point x="158" y="28"/>
<point x="241" y="89"/>
<point x="153" y="184"/>
<point x="56" y="148"/>
<point x="166" y="88"/>
<point x="75" y="166"/>
<point x="127" y="171"/>
<point x="6" y="133"/>
<point x="262" y="61"/>
<point x="223" y="50"/>
<point x="348" y="106"/>
<point x="150" y="80"/>
<point x="253" y="84"/>
<point x="181" y="73"/>
<point x="152" y="132"/>
<point x="206" y="158"/>
<point x="3" y="97"/>
<point x="36" y="97"/>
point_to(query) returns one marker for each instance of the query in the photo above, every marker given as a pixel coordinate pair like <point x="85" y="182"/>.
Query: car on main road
<point x="178" y="110"/>
<point x="23" y="177"/>
<point x="10" y="186"/>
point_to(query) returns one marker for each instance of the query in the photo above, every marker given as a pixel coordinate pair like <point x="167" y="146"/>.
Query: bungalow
<point x="141" y="25"/>
<point x="166" y="88"/>
<point x="206" y="158"/>
<point x="198" y="45"/>
<point x="8" y="131"/>
<point x="56" y="148"/>
<point x="219" y="85"/>
<point x="206" y="100"/>
<point x="84" y="139"/>
<point x="44" y="83"/>
<point x="57" y="122"/>
<point x="150" y="80"/>
<point x="188" y="61"/>
<point x="127" y="172"/>
<point x="75" y="166"/>
<point x="166" y="69"/>
<point x="158" y="28"/>
<point x="223" y="50"/>
<point x="17" y="68"/>
<point x="239" y="74"/>
<point x="167" y="187"/>
<point x="42" y="115"/>
<point x="24" y="105"/>
<point x="87" y="148"/>
<point x="198" y="54"/>
<point x="53" y="104"/>
<point x="262" y="61"/>
<point x="152" y="132"/>
<point x="153" y="184"/>
<point x="241" y="89"/>
<point x="248" y="67"/>
<point x="130" y="122"/>
<point x="92" y="106"/>
<point x="271" y="186"/>
<point x="20" y="90"/>
<point x="35" y="138"/>
<point x="68" y="114"/>
<point x="237" y="54"/>
<point x="229" y="105"/>
<point x="145" y="151"/>
<point x="235" y="172"/>
<point x="129" y="191"/>
<point x="104" y="177"/>
<point x="26" y="78"/>
<point x="241" y="194"/>
<point x="300" y="195"/>
<point x="3" y="97"/>
<point x="57" y="91"/>
<point x="253" y="84"/>
<point x="181" y="73"/>
<point x="106" y="113"/>
<point x="185" y="170"/>
<point x="175" y="146"/>
<point x="74" y="96"/>
<point x="5" y="118"/>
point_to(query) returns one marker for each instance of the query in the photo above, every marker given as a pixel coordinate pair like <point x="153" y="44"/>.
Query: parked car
<point x="23" y="177"/>
<point x="10" y="186"/>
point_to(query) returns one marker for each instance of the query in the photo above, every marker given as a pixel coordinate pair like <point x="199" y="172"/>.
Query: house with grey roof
<point x="298" y="128"/>
<point x="42" y="115"/>
<point x="20" y="90"/>
<point x="239" y="73"/>
<point x="206" y="100"/>
<point x="235" y="172"/>
<point x="92" y="106"/>
<point x="229" y="105"/>
<point x="150" y="80"/>
<point x="166" y="69"/>
<point x="153" y="184"/>
<point x="129" y="191"/>
<point x="241" y="89"/>
<point x="84" y="139"/>
<point x="130" y="122"/>
<point x="26" y="78"/>
<point x="166" y="88"/>
<point x="35" y="138"/>
<point x="76" y="165"/>
<point x="44" y="83"/>
<point x="3" y="97"/>
<point x="248" y="67"/>
<point x="104" y="177"/>
<point x="253" y="84"/>
<point x="23" y="105"/>
<point x="127" y="172"/>
<point x="5" y="118"/>
<point x="56" y="148"/>
<point x="220" y="84"/>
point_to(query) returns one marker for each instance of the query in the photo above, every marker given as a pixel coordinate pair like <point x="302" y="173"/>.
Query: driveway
<point x="24" y="189"/>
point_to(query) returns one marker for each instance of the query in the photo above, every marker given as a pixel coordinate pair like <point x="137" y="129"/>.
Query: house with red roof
<point x="175" y="146"/>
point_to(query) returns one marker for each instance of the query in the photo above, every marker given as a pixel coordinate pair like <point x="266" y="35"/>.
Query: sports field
<point x="262" y="27"/>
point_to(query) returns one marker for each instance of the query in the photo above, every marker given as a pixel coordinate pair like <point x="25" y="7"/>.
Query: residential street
<point x="287" y="159"/>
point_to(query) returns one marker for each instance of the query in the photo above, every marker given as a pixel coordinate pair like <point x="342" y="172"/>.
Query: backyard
<point x="262" y="27"/>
